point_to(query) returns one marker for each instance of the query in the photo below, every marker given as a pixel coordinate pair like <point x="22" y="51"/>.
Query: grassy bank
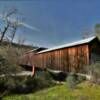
<point x="83" y="91"/>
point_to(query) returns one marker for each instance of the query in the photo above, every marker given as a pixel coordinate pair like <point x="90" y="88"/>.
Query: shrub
<point x="44" y="80"/>
<point x="25" y="84"/>
<point x="72" y="80"/>
<point x="2" y="85"/>
<point x="81" y="78"/>
<point x="94" y="71"/>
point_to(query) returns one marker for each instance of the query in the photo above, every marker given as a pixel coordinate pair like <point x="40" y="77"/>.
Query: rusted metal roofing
<point x="83" y="41"/>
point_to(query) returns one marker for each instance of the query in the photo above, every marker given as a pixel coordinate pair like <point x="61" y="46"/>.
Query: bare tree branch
<point x="3" y="33"/>
<point x="14" y="11"/>
<point x="8" y="23"/>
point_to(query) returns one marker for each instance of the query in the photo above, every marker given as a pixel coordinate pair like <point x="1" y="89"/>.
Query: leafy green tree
<point x="97" y="30"/>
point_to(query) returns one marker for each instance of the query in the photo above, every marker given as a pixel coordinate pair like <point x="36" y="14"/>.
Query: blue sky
<point x="58" y="21"/>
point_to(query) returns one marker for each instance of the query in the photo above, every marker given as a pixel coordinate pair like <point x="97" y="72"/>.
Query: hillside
<point x="9" y="56"/>
<point x="17" y="46"/>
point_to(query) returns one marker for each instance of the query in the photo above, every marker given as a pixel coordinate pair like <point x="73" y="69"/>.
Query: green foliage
<point x="43" y="81"/>
<point x="97" y="30"/>
<point x="72" y="81"/>
<point x="2" y="84"/>
<point x="61" y="92"/>
<point x="81" y="79"/>
<point x="24" y="84"/>
<point x="95" y="72"/>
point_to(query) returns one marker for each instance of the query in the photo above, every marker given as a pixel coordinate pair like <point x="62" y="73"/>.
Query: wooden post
<point x="33" y="70"/>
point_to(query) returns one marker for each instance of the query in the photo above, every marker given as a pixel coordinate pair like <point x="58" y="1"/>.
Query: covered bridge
<point x="68" y="57"/>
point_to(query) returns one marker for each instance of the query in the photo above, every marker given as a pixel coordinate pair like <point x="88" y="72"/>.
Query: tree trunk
<point x="3" y="33"/>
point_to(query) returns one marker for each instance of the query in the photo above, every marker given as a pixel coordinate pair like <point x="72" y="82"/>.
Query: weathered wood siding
<point x="66" y="59"/>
